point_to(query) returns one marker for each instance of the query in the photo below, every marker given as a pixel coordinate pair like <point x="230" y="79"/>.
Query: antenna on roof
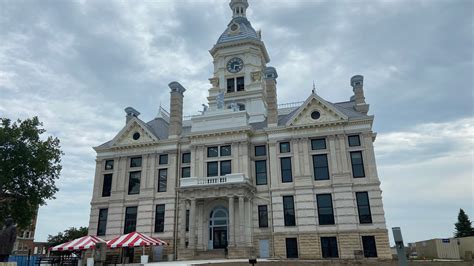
<point x="314" y="87"/>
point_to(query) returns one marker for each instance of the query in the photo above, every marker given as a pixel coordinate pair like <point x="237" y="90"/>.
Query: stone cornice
<point x="137" y="145"/>
<point x="257" y="43"/>
<point x="336" y="126"/>
<point x="211" y="133"/>
<point x="330" y="185"/>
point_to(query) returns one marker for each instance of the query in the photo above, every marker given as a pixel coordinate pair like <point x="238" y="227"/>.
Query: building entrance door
<point x="218" y="227"/>
<point x="220" y="237"/>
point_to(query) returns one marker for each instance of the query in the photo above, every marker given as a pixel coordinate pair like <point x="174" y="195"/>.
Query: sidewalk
<point x="197" y="262"/>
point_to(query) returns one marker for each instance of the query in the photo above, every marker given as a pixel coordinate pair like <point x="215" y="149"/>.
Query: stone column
<point x="182" y="229"/>
<point x="249" y="222"/>
<point x="98" y="183"/>
<point x="296" y="158"/>
<point x="192" y="224"/>
<point x="231" y="222"/>
<point x="343" y="153"/>
<point x="369" y="158"/>
<point x="332" y="154"/>
<point x="152" y="172"/>
<point x="241" y="220"/>
<point x="194" y="163"/>
<point x="144" y="177"/>
<point x="115" y="176"/>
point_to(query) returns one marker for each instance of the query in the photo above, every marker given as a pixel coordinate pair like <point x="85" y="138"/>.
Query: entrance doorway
<point x="218" y="228"/>
<point x="220" y="237"/>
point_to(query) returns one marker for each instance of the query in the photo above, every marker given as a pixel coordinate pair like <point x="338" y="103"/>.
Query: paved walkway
<point x="197" y="262"/>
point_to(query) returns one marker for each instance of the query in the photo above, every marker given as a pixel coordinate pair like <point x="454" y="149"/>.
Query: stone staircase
<point x="210" y="254"/>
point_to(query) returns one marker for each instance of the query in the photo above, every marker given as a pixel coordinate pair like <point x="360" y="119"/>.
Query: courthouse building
<point x="248" y="177"/>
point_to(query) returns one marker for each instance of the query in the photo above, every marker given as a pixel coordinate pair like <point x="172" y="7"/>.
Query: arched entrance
<point x="218" y="224"/>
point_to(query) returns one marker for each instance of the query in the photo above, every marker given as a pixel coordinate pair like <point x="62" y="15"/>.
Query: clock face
<point x="234" y="65"/>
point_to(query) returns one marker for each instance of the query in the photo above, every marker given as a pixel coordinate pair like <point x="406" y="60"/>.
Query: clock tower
<point x="240" y="59"/>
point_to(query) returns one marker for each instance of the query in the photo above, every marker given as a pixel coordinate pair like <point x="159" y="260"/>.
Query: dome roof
<point x="238" y="29"/>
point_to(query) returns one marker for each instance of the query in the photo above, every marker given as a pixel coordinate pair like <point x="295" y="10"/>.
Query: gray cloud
<point x="77" y="64"/>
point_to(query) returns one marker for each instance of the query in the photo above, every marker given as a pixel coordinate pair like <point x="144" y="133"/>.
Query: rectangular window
<point x="363" y="206"/>
<point x="160" y="218"/>
<point x="289" y="211"/>
<point x="162" y="179"/>
<point x="240" y="84"/>
<point x="329" y="247"/>
<point x="163" y="159"/>
<point x="291" y="248"/>
<point x="260" y="150"/>
<point x="130" y="220"/>
<point x="186" y="158"/>
<point x="320" y="166"/>
<point x="262" y="216"/>
<point x="357" y="164"/>
<point x="107" y="185"/>
<point x="136" y="162"/>
<point x="134" y="182"/>
<point x="261" y="172"/>
<point x="102" y="227"/>
<point x="354" y="141"/>
<point x="185" y="172"/>
<point x="109" y="164"/>
<point x="284" y="147"/>
<point x="318" y="144"/>
<point x="226" y="150"/>
<point x="226" y="167"/>
<point x="325" y="211"/>
<point x="212" y="169"/>
<point x="187" y="220"/>
<point x="230" y="85"/>
<point x="370" y="248"/>
<point x="212" y="152"/>
<point x="286" y="174"/>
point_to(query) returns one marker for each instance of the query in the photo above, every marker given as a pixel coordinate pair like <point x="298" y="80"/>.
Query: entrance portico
<point x="220" y="216"/>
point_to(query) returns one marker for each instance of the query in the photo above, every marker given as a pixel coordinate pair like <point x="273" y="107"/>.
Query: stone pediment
<point x="126" y="135"/>
<point x="306" y="113"/>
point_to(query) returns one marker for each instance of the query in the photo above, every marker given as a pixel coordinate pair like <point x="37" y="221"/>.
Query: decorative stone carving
<point x="215" y="82"/>
<point x="256" y="76"/>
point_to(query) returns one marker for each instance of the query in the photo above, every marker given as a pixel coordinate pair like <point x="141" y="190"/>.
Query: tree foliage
<point x="68" y="235"/>
<point x="463" y="226"/>
<point x="29" y="168"/>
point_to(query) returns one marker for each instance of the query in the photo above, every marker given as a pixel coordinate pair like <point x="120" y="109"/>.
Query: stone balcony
<point x="237" y="178"/>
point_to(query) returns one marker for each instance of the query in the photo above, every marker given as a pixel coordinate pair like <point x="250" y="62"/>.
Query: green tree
<point x="29" y="168"/>
<point x="463" y="226"/>
<point x="68" y="235"/>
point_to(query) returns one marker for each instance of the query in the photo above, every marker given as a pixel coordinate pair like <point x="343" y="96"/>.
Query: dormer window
<point x="235" y="84"/>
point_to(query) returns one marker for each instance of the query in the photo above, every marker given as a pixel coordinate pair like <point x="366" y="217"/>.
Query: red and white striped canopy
<point x="85" y="242"/>
<point x="134" y="239"/>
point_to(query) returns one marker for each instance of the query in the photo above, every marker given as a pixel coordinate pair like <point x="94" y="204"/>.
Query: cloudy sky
<point x="78" y="64"/>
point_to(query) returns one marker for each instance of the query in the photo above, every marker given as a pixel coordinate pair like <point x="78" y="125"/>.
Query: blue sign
<point x="446" y="240"/>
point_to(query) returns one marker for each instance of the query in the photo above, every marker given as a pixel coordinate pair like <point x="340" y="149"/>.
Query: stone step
<point x="211" y="254"/>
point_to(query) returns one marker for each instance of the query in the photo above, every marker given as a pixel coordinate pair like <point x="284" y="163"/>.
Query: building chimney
<point x="131" y="112"/>
<point x="271" y="96"/>
<point x="176" y="109"/>
<point x="357" y="83"/>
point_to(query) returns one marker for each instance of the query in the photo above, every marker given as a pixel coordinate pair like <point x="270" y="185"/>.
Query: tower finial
<point x="239" y="7"/>
<point x="314" y="87"/>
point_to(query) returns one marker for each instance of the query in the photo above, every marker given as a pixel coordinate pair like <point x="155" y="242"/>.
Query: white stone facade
<point x="211" y="204"/>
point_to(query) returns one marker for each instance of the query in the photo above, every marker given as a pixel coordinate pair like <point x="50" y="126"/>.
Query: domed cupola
<point x="239" y="28"/>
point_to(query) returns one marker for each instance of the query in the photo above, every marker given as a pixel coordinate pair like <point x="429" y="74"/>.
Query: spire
<point x="239" y="8"/>
<point x="314" y="87"/>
